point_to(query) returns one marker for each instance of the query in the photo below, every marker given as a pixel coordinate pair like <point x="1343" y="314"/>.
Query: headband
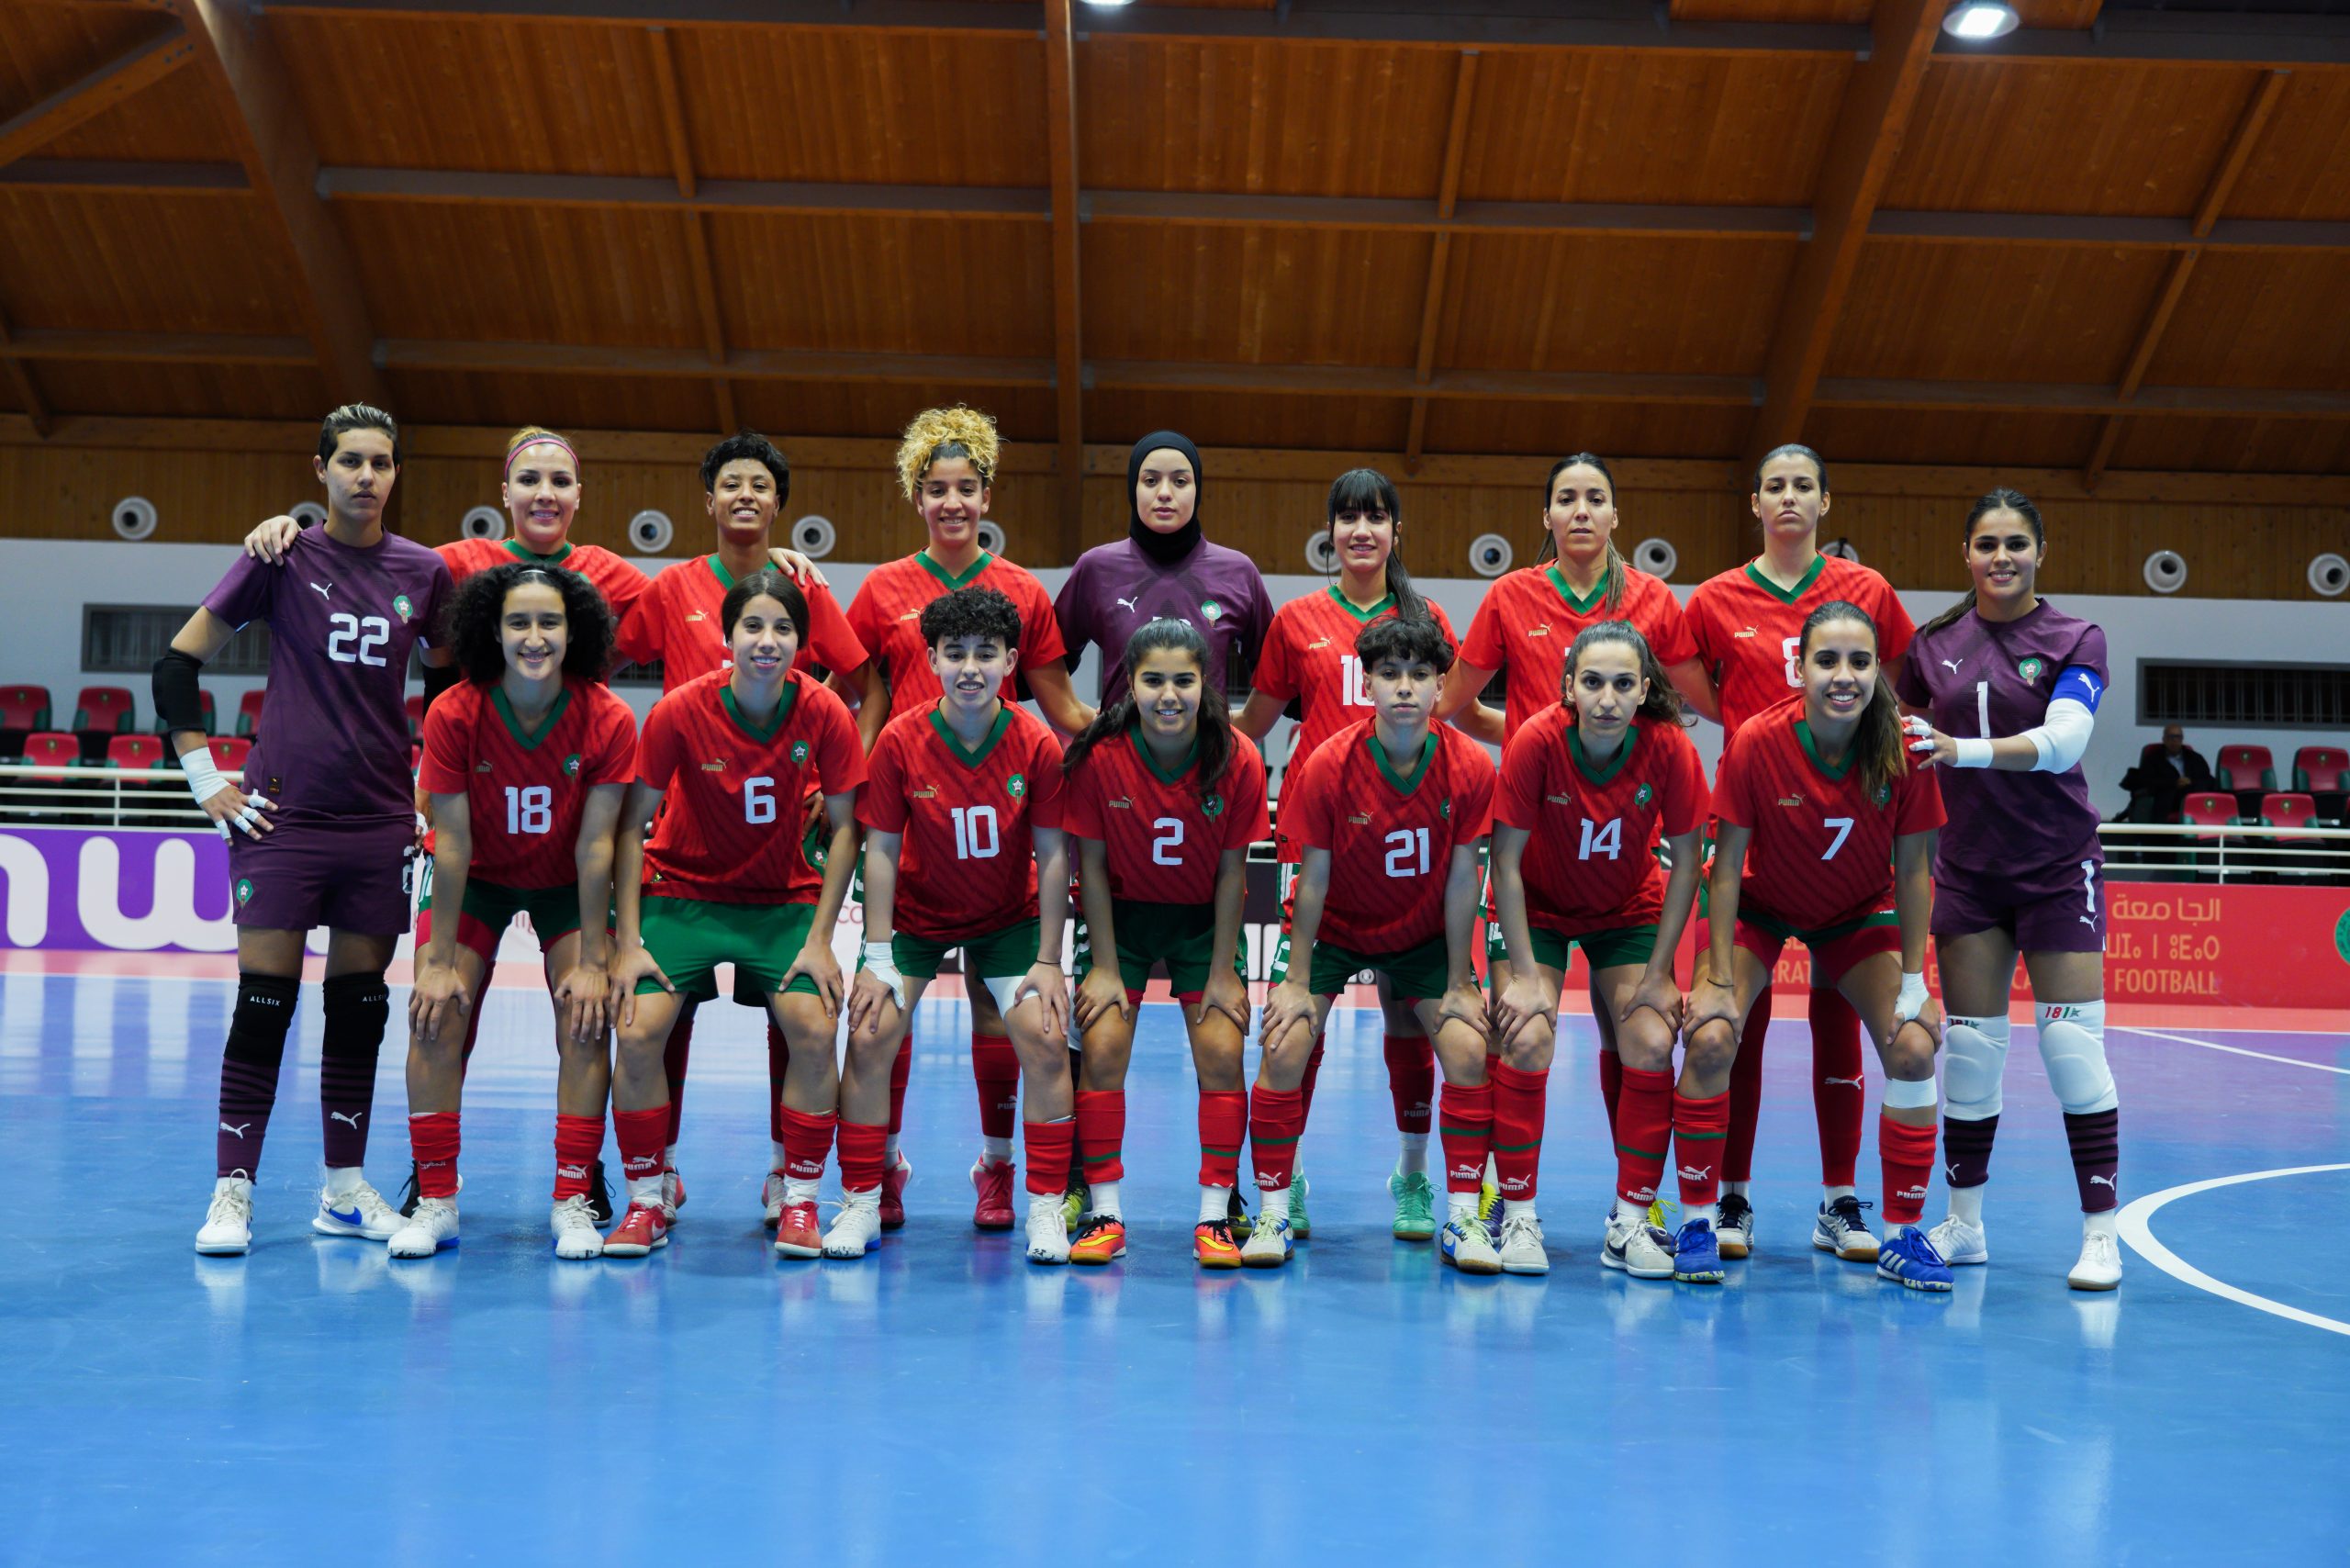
<point x="546" y="439"/>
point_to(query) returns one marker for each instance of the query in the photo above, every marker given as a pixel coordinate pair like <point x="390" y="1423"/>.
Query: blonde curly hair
<point x="934" y="429"/>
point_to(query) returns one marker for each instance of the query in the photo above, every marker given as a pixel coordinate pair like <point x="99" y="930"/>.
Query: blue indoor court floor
<point x="947" y="1403"/>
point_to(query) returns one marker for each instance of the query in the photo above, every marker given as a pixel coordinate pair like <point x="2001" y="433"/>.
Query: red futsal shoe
<point x="798" y="1234"/>
<point x="991" y="1178"/>
<point x="893" y="1192"/>
<point x="640" y="1230"/>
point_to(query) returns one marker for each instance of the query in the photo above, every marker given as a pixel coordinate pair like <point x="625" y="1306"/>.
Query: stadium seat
<point x="2207" y="808"/>
<point x="22" y="710"/>
<point x="2247" y="772"/>
<point x="228" y="752"/>
<point x="2288" y="810"/>
<point x="248" y="714"/>
<point x="135" y="751"/>
<point x="211" y="716"/>
<point x="46" y="792"/>
<point x="99" y="714"/>
<point x="416" y="719"/>
<point x="2318" y="771"/>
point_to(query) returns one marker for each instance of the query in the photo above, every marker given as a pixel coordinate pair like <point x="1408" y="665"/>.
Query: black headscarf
<point x="1166" y="549"/>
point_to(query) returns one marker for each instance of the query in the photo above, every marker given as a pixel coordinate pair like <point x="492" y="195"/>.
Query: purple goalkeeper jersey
<point x="1114" y="589"/>
<point x="333" y="739"/>
<point x="1985" y="679"/>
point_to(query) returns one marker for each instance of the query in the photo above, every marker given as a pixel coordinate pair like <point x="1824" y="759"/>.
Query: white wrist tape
<point x="204" y="780"/>
<point x="1912" y="1000"/>
<point x="881" y="962"/>
<point x="1972" y="753"/>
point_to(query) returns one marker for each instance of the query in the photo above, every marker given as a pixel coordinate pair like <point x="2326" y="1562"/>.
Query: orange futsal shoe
<point x="1103" y="1239"/>
<point x="1212" y="1245"/>
<point x="893" y="1194"/>
<point x="991" y="1178"/>
<point x="641" y="1229"/>
<point x="798" y="1234"/>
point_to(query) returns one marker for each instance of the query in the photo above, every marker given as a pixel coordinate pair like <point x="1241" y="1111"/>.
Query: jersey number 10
<point x="976" y="837"/>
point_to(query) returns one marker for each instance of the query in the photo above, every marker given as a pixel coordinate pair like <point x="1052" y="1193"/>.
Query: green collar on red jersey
<point x="514" y="548"/>
<point x="1811" y="750"/>
<point x="1379" y="756"/>
<point x="1142" y="750"/>
<point x="1566" y="589"/>
<point x="528" y="740"/>
<point x="1786" y="596"/>
<point x="951" y="580"/>
<point x="782" y="709"/>
<point x="1356" y="610"/>
<point x="955" y="747"/>
<point x="1614" y="764"/>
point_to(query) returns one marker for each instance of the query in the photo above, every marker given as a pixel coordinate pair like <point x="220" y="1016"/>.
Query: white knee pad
<point x="1904" y="1096"/>
<point x="1974" y="1058"/>
<point x="2072" y="1043"/>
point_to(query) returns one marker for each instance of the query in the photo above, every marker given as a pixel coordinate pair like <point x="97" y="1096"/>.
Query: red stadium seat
<point x="52" y="748"/>
<point x="135" y="751"/>
<point x="23" y="710"/>
<point x="248" y="714"/>
<point x="2207" y="808"/>
<point x="416" y="718"/>
<point x="2292" y="811"/>
<point x="101" y="711"/>
<point x="228" y="752"/>
<point x="211" y="716"/>
<point x="2247" y="772"/>
<point x="2323" y="771"/>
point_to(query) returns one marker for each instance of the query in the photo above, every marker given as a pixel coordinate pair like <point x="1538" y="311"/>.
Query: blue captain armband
<point x="2081" y="685"/>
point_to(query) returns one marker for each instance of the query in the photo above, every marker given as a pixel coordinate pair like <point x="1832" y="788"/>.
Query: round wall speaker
<point x="2329" y="575"/>
<point x="309" y="514"/>
<point x="1490" y="554"/>
<point x="650" y="532"/>
<point x="2165" y="571"/>
<point x="482" y="522"/>
<point x="134" y="516"/>
<point x="814" y="536"/>
<point x="1657" y="557"/>
<point x="992" y="536"/>
<point x="1321" y="553"/>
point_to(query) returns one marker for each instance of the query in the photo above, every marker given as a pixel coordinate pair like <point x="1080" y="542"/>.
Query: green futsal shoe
<point x="1078" y="1200"/>
<point x="1415" y="1205"/>
<point x="1300" y="1227"/>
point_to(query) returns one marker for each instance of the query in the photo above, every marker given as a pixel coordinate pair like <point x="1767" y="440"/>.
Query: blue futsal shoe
<point x="1912" y="1260"/>
<point x="1697" y="1254"/>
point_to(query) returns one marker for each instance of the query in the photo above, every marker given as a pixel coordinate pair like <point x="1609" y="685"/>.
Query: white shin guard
<point x="1974" y="1058"/>
<point x="2072" y="1044"/>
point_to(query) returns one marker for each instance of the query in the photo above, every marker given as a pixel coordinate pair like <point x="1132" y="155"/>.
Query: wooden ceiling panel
<point x="182" y="120"/>
<point x="1550" y="431"/>
<point x="562" y="402"/>
<point x="1668" y="307"/>
<point x="182" y="391"/>
<point x="1329" y="424"/>
<point x="2241" y="446"/>
<point x="1954" y="436"/>
<point x="2252" y="319"/>
<point x="1984" y="313"/>
<point x="883" y="284"/>
<point x="1253" y="296"/>
<point x="2301" y="166"/>
<point x="523" y="96"/>
<point x="862" y="105"/>
<point x="140" y="263"/>
<point x="1258" y="117"/>
<point x="537" y="274"/>
<point x="1621" y="126"/>
<point x="2076" y="138"/>
<point x="1024" y="414"/>
<point x="1846" y="11"/>
<point x="44" y="48"/>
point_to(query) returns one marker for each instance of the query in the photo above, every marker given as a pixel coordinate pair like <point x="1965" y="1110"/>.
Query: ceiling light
<point x="1979" y="21"/>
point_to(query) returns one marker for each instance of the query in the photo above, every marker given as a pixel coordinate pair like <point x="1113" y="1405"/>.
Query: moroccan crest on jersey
<point x="1643" y="795"/>
<point x="1212" y="610"/>
<point x="1016" y="786"/>
<point x="244" y="889"/>
<point x="1212" y="806"/>
<point x="799" y="753"/>
<point x="1881" y="794"/>
<point x="571" y="766"/>
<point x="2030" y="668"/>
<point x="1444" y="808"/>
<point x="407" y="609"/>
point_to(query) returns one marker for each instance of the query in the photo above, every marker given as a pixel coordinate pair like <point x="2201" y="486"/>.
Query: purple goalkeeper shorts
<point x="2056" y="909"/>
<point x="349" y="873"/>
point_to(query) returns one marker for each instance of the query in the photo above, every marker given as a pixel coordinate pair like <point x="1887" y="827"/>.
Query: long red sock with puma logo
<point x="1907" y="1155"/>
<point x="1839" y="1099"/>
<point x="1700" y="1129"/>
<point x="1518" y="1102"/>
<point x="1644" y="1120"/>
<point x="432" y="1138"/>
<point x="578" y="1144"/>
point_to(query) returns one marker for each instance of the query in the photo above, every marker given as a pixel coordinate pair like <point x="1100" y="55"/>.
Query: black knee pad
<point x="264" y="1013"/>
<point x="357" y="1008"/>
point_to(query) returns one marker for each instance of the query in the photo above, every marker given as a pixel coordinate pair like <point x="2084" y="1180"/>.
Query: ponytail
<point x="1663" y="702"/>
<point x="2000" y="500"/>
<point x="1877" y="744"/>
<point x="1611" y="581"/>
<point x="1360" y="489"/>
<point x="1214" y="723"/>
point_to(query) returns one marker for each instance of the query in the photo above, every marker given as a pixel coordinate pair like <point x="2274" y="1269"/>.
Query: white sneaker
<point x="573" y="1224"/>
<point x="1047" y="1230"/>
<point x="229" y="1222"/>
<point x="360" y="1211"/>
<point x="1522" y="1246"/>
<point x="1270" y="1244"/>
<point x="2099" y="1267"/>
<point x="1633" y="1247"/>
<point x="432" y="1227"/>
<point x="771" y="1198"/>
<point x="1960" y="1242"/>
<point x="858" y="1226"/>
<point x="673" y="1195"/>
<point x="1838" y="1229"/>
<point x="1466" y="1245"/>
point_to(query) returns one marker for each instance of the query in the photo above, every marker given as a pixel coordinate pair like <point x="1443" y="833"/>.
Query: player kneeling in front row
<point x="1588" y="787"/>
<point x="1390" y="812"/>
<point x="725" y="879"/>
<point x="963" y="820"/>
<point x="527" y="763"/>
<point x="1164" y="799"/>
<point x="1820" y="805"/>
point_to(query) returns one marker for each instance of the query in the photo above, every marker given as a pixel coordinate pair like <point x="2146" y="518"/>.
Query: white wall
<point x="45" y="583"/>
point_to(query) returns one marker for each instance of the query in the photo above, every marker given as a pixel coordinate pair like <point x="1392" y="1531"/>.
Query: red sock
<point x="1411" y="1080"/>
<point x="1050" y="1146"/>
<point x="1465" y="1124"/>
<point x="674" y="1054"/>
<point x="1746" y="1093"/>
<point x="1276" y="1121"/>
<point x="902" y="1071"/>
<point x="995" y="1069"/>
<point x="1313" y="1071"/>
<point x="1644" y="1129"/>
<point x="578" y="1144"/>
<point x="1518" y="1104"/>
<point x="1102" y="1132"/>
<point x="863" y="1150"/>
<point x="778" y="1058"/>
<point x="1907" y="1154"/>
<point x="806" y="1141"/>
<point x="1839" y="1096"/>
<point x="1224" y="1125"/>
<point x="1699" y="1129"/>
<point x="642" y="1136"/>
<point x="432" y="1138"/>
<point x="1611" y="1086"/>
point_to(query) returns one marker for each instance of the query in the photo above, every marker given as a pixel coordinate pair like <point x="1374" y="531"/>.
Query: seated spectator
<point x="2165" y="774"/>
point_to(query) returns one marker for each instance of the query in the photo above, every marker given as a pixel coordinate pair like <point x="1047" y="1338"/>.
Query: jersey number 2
<point x="1170" y="839"/>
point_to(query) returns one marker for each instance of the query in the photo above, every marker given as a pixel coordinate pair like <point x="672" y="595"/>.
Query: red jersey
<point x="1750" y="633"/>
<point x="1391" y="836"/>
<point x="525" y="790"/>
<point x="621" y="584"/>
<point x="886" y="616"/>
<point x="1822" y="853"/>
<point x="967" y="863"/>
<point x="1163" y="840"/>
<point x="1309" y="655"/>
<point x="729" y="829"/>
<point x="1530" y="618"/>
<point x="1589" y="863"/>
<point x="680" y="620"/>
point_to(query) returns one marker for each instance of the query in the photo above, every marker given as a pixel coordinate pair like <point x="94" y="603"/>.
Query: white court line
<point x="2133" y="1220"/>
<point x="2233" y="1050"/>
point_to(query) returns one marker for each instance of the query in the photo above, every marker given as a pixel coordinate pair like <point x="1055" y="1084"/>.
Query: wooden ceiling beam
<point x="35" y="407"/>
<point x="1069" y="354"/>
<point x="157" y="347"/>
<point x="1862" y="150"/>
<point x="692" y="223"/>
<point x="1448" y="198"/>
<point x="2238" y="154"/>
<point x="133" y="71"/>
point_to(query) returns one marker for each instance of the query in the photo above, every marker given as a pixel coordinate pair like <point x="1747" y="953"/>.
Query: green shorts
<point x="1416" y="974"/>
<point x="690" y="937"/>
<point x="1601" y="949"/>
<point x="488" y="909"/>
<point x="1183" y="934"/>
<point x="1007" y="954"/>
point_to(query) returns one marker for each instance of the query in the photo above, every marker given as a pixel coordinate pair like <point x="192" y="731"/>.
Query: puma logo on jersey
<point x="1123" y="803"/>
<point x="2086" y="920"/>
<point x="910" y="615"/>
<point x="484" y="766"/>
<point x="1541" y="631"/>
<point x="1129" y="604"/>
<point x="235" y="1131"/>
<point x="1360" y="819"/>
<point x="925" y="794"/>
<point x="1560" y="800"/>
<point x="697" y="615"/>
<point x="1853" y="1082"/>
<point x="718" y="766"/>
<point x="1696" y="1173"/>
<point x="1749" y="632"/>
<point x="1795" y="799"/>
<point x="1953" y="665"/>
<point x="325" y="591"/>
<point x="1317" y="644"/>
<point x="351" y="1121"/>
